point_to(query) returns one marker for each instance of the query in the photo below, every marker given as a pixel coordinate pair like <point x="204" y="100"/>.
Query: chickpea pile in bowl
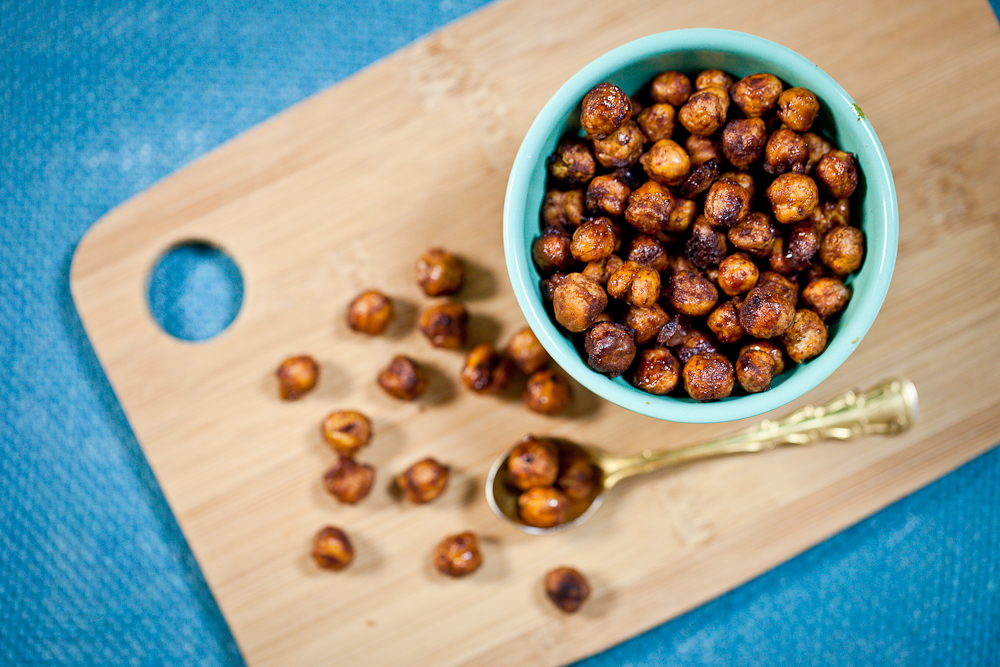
<point x="700" y="226"/>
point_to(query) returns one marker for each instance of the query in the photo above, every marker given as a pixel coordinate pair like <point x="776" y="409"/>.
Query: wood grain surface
<point x="343" y="191"/>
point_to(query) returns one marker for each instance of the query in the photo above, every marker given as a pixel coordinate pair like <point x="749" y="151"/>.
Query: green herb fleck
<point x="857" y="110"/>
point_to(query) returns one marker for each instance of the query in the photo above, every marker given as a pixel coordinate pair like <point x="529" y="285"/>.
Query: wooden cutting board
<point x="343" y="191"/>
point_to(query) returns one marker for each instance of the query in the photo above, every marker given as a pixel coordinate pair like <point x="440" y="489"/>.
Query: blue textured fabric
<point x="99" y="99"/>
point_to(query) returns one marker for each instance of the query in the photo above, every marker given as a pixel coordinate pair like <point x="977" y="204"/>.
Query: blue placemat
<point x="99" y="100"/>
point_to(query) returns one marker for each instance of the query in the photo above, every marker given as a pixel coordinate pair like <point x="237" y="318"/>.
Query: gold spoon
<point x="888" y="408"/>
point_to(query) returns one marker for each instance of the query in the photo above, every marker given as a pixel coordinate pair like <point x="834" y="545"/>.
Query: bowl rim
<point x="555" y="112"/>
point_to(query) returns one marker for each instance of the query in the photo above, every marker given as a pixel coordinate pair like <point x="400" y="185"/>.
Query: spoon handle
<point x="888" y="408"/>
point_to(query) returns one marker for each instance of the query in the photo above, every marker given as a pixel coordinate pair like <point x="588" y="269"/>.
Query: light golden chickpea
<point x="610" y="348"/>
<point x="573" y="162"/>
<point x="486" y="371"/>
<point x="608" y="194"/>
<point x="666" y="162"/>
<point x="838" y="173"/>
<point x="547" y="392"/>
<point x="806" y="337"/>
<point x="440" y="273"/>
<point x="621" y="148"/>
<point x="551" y="251"/>
<point x="705" y="247"/>
<point x="649" y="208"/>
<point x="756" y="94"/>
<point x="798" y="108"/>
<point x="766" y="313"/>
<point x="818" y="147"/>
<point x="793" y="197"/>
<point x="743" y="141"/>
<point x="684" y="213"/>
<point x="525" y="352"/>
<point x="346" y="431"/>
<point x="672" y="88"/>
<point x="533" y="462"/>
<point x="701" y="178"/>
<point x="754" y="370"/>
<point x="605" y="108"/>
<point x="636" y="284"/>
<point x="785" y="151"/>
<point x="708" y="377"/>
<point x="403" y="379"/>
<point x="370" y="312"/>
<point x="577" y="301"/>
<point x="332" y="550"/>
<point x="578" y="478"/>
<point x="296" y="376"/>
<point x="724" y="322"/>
<point x="563" y="208"/>
<point x="713" y="77"/>
<point x="827" y="296"/>
<point x="657" y="371"/>
<point x="458" y="555"/>
<point x="843" y="249"/>
<point x="691" y="294"/>
<point x="726" y="204"/>
<point x="657" y="121"/>
<point x="648" y="250"/>
<point x="703" y="113"/>
<point x="567" y="588"/>
<point x="423" y="481"/>
<point x="645" y="322"/>
<point x="601" y="269"/>
<point x="595" y="239"/>
<point x="445" y="325"/>
<point x="737" y="274"/>
<point x="543" y="507"/>
<point x="349" y="481"/>
<point x="755" y="235"/>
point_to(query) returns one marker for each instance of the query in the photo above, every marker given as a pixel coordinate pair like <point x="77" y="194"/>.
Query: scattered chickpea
<point x="332" y="550"/>
<point x="713" y="77"/>
<point x="440" y="273"/>
<point x="349" y="481"/>
<point x="423" y="481"/>
<point x="296" y="376"/>
<point x="771" y="348"/>
<point x="755" y="369"/>
<point x="706" y="246"/>
<point x="724" y="322"/>
<point x="543" y="507"/>
<point x="445" y="325"/>
<point x="525" y="352"/>
<point x="347" y="431"/>
<point x="605" y="108"/>
<point x="567" y="588"/>
<point x="708" y="377"/>
<point x="648" y="250"/>
<point x="803" y="243"/>
<point x="610" y="348"/>
<point x="403" y="379"/>
<point x="486" y="371"/>
<point x="818" y="147"/>
<point x="685" y="212"/>
<point x="370" y="312"/>
<point x="737" y="274"/>
<point x="703" y="149"/>
<point x="547" y="392"/>
<point x="458" y="555"/>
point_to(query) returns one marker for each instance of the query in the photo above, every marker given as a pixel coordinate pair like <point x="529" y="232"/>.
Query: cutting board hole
<point x="195" y="291"/>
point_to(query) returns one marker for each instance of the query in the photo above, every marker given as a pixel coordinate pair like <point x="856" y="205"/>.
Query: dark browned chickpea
<point x="533" y="462"/>
<point x="770" y="347"/>
<point x="605" y="108"/>
<point x="684" y="213"/>
<point x="755" y="369"/>
<point x="755" y="235"/>
<point x="672" y="88"/>
<point x="737" y="274"/>
<point x="779" y="260"/>
<point x="296" y="376"/>
<point x="838" y="173"/>
<point x="646" y="249"/>
<point x="692" y="294"/>
<point x="601" y="269"/>
<point x="798" y="108"/>
<point x="657" y="121"/>
<point x="403" y="379"/>
<point x="705" y="247"/>
<point x="703" y="113"/>
<point x="645" y="322"/>
<point x="656" y="371"/>
<point x="724" y="322"/>
<point x="779" y="284"/>
<point x="458" y="555"/>
<point x="793" y="197"/>
<point x="826" y="296"/>
<point x="696" y="342"/>
<point x="766" y="313"/>
<point x="577" y="301"/>
<point x="818" y="147"/>
<point x="423" y="481"/>
<point x="563" y="208"/>
<point x="756" y="94"/>
<point x="551" y="251"/>
<point x="548" y="285"/>
<point x="635" y="284"/>
<point x="843" y="249"/>
<point x="370" y="312"/>
<point x="608" y="194"/>
<point x="610" y="348"/>
<point x="347" y="431"/>
<point x="543" y="507"/>
<point x="621" y="148"/>
<point x="332" y="550"/>
<point x="713" y="77"/>
<point x="666" y="162"/>
<point x="708" y="377"/>
<point x="445" y="325"/>
<point x="567" y="588"/>
<point x="573" y="162"/>
<point x="806" y="337"/>
<point x="803" y="242"/>
<point x="578" y="478"/>
<point x="349" y="481"/>
<point x="743" y="141"/>
<point x="525" y="352"/>
<point x="486" y="371"/>
<point x="547" y="392"/>
<point x="830" y="214"/>
<point x="785" y="151"/>
<point x="727" y="203"/>
<point x="649" y="207"/>
<point x="594" y="239"/>
<point x="701" y="178"/>
<point x="440" y="273"/>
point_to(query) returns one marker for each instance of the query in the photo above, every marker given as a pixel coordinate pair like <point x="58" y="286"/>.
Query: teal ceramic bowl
<point x="630" y="67"/>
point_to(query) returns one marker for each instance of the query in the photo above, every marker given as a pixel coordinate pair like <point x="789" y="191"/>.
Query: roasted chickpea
<point x="578" y="478"/>
<point x="675" y="331"/>
<point x="608" y="195"/>
<point x="332" y="550"/>
<point x="779" y="260"/>
<point x="547" y="392"/>
<point x="771" y="348"/>
<point x="486" y="371"/>
<point x="798" y="108"/>
<point x="724" y="322"/>
<point x="594" y="239"/>
<point x="605" y="108"/>
<point x="563" y="208"/>
<point x="672" y="88"/>
<point x="743" y="141"/>
<point x="755" y="369"/>
<point x="656" y="371"/>
<point x="843" y="249"/>
<point x="573" y="162"/>
<point x="296" y="376"/>
<point x="779" y="284"/>
<point x="551" y="251"/>
<point x="838" y="173"/>
<point x="803" y="243"/>
<point x="713" y="77"/>
<point x="440" y="273"/>
<point x="525" y="352"/>
<point x="703" y="113"/>
<point x="685" y="212"/>
<point x="423" y="481"/>
<point x="621" y="148"/>
<point x="708" y="377"/>
<point x="756" y="94"/>
<point x="445" y="325"/>
<point x="543" y="507"/>
<point x="370" y="312"/>
<point x="646" y="249"/>
<point x="692" y="294"/>
<point x="818" y="147"/>
<point x="666" y="162"/>
<point x="696" y="342"/>
<point x="458" y="555"/>
<point x="726" y="204"/>
<point x="533" y="462"/>
<point x="610" y="348"/>
<point x="743" y="178"/>
<point x="785" y="151"/>
<point x="793" y="197"/>
<point x="737" y="274"/>
<point x="657" y="121"/>
<point x="766" y="313"/>
<point x="830" y="214"/>
<point x="827" y="296"/>
<point x="347" y="431"/>
<point x="577" y="301"/>
<point x="645" y="322"/>
<point x="403" y="379"/>
<point x="601" y="269"/>
<point x="548" y="285"/>
<point x="649" y="208"/>
<point x="567" y="588"/>
<point x="349" y="481"/>
<point x="705" y="247"/>
<point x="636" y="284"/>
<point x="806" y="337"/>
<point x="754" y="235"/>
<point x="702" y="149"/>
<point x="701" y="178"/>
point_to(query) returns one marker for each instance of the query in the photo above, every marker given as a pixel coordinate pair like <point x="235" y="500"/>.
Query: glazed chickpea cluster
<point x="555" y="483"/>
<point x="697" y="237"/>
